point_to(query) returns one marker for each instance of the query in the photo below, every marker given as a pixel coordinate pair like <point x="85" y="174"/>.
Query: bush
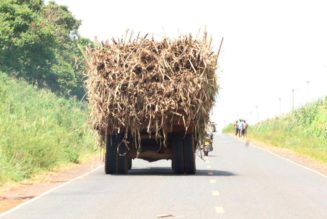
<point x="39" y="130"/>
<point x="303" y="131"/>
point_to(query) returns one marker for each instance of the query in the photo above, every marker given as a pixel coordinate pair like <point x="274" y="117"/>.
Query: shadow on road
<point x="159" y="171"/>
<point x="214" y="173"/>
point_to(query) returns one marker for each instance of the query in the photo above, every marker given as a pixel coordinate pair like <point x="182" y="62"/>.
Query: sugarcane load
<point x="151" y="99"/>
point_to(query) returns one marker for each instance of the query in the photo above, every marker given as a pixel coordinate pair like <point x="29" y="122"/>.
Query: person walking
<point x="236" y="127"/>
<point x="240" y="126"/>
<point x="245" y="128"/>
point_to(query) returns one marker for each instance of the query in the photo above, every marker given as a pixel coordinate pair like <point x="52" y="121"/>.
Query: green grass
<point x="303" y="131"/>
<point x="39" y="130"/>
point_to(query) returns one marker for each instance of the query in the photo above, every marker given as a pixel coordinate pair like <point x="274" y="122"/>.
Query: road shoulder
<point x="14" y="194"/>
<point x="287" y="154"/>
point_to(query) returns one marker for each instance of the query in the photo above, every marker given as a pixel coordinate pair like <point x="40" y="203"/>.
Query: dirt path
<point x="15" y="194"/>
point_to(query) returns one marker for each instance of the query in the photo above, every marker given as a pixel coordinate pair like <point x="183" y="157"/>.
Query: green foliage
<point x="34" y="5"/>
<point x="65" y="23"/>
<point x="229" y="128"/>
<point x="26" y="42"/>
<point x="40" y="43"/>
<point x="303" y="131"/>
<point x="39" y="130"/>
<point x="69" y="67"/>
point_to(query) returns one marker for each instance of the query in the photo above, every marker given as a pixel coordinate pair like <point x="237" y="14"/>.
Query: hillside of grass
<point x="39" y="130"/>
<point x="303" y="131"/>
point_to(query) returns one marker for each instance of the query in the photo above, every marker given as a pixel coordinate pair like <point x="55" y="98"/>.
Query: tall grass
<point x="303" y="131"/>
<point x="39" y="130"/>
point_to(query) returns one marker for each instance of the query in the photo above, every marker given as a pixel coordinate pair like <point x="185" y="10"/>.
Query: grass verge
<point x="39" y="130"/>
<point x="303" y="131"/>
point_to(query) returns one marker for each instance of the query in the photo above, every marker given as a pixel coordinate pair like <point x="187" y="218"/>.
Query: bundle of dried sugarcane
<point x="142" y="85"/>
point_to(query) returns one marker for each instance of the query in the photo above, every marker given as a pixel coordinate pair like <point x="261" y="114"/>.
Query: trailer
<point x="151" y="99"/>
<point x="179" y="147"/>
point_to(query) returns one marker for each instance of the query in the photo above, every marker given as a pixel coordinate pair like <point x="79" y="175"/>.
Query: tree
<point x="27" y="43"/>
<point x="69" y="67"/>
<point x="34" y="5"/>
<point x="41" y="43"/>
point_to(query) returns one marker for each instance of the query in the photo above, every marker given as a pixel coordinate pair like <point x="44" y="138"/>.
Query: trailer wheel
<point x="129" y="163"/>
<point x="122" y="167"/>
<point x="189" y="155"/>
<point x="172" y="164"/>
<point x="178" y="159"/>
<point x="110" y="164"/>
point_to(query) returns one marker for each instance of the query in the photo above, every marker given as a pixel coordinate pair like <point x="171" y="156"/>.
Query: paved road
<point x="245" y="182"/>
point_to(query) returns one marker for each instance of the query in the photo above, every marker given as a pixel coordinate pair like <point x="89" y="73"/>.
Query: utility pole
<point x="293" y="90"/>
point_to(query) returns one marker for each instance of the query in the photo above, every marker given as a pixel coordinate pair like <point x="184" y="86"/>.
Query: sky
<point x="270" y="47"/>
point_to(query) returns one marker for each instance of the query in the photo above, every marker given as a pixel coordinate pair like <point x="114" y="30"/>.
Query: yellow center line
<point x="220" y="210"/>
<point x="215" y="193"/>
<point x="213" y="181"/>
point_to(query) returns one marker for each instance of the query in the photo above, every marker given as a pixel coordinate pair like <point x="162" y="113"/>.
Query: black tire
<point x="178" y="159"/>
<point x="122" y="161"/>
<point x="172" y="165"/>
<point x="129" y="163"/>
<point x="110" y="164"/>
<point x="189" y="155"/>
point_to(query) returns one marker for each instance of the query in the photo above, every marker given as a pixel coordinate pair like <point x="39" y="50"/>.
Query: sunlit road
<point x="235" y="181"/>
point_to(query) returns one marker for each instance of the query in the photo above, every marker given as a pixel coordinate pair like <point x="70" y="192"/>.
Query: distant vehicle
<point x="212" y="127"/>
<point x="207" y="144"/>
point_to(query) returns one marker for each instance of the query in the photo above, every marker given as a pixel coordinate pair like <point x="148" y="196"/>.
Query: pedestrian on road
<point x="240" y="126"/>
<point x="236" y="127"/>
<point x="245" y="128"/>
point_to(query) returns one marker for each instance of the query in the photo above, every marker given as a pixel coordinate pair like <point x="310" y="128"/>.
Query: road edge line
<point x="291" y="161"/>
<point x="255" y="145"/>
<point x="47" y="192"/>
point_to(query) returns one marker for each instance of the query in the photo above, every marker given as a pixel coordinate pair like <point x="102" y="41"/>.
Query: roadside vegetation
<point x="39" y="130"/>
<point x="43" y="115"/>
<point x="303" y="131"/>
<point x="40" y="43"/>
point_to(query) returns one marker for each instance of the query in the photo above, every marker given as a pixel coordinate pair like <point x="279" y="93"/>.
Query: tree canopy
<point x="40" y="43"/>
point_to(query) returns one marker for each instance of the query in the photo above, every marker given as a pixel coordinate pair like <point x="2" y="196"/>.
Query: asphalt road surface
<point x="235" y="181"/>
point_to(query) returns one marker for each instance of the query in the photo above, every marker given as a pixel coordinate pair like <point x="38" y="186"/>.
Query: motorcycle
<point x="207" y="145"/>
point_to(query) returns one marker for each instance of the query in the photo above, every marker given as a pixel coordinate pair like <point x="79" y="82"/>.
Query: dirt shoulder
<point x="289" y="154"/>
<point x="14" y="194"/>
